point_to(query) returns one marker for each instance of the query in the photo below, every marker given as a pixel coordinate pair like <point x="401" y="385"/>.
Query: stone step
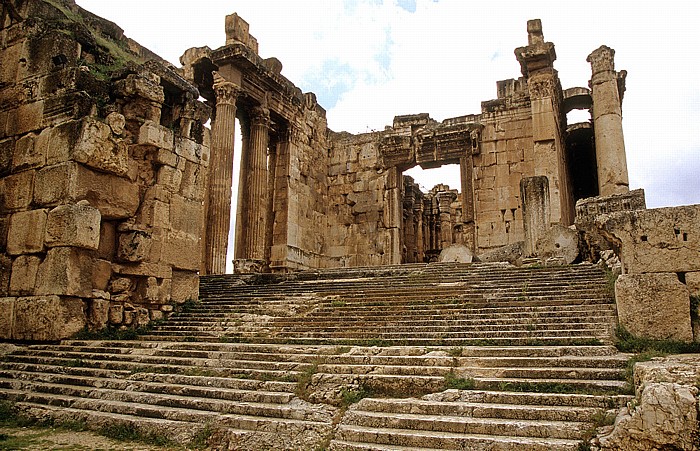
<point x="143" y="409"/>
<point x="256" y="393"/>
<point x="296" y="410"/>
<point x="518" y="427"/>
<point x="445" y="440"/>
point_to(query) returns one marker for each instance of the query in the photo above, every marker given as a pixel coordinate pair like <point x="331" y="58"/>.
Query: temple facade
<point x="313" y="198"/>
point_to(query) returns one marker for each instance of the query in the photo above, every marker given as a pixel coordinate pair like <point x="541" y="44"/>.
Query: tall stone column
<point x="258" y="186"/>
<point x="220" y="176"/>
<point x="607" y="122"/>
<point x="240" y="251"/>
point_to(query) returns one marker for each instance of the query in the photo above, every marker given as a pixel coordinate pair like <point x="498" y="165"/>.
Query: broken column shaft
<point x="607" y="123"/>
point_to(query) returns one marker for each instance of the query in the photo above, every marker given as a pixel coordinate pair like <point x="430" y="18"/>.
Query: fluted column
<point x="220" y="176"/>
<point x="258" y="185"/>
<point x="242" y="206"/>
<point x="607" y="122"/>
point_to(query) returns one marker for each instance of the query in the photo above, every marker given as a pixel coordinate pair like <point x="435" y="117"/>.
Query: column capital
<point x="602" y="59"/>
<point x="226" y="92"/>
<point x="260" y="115"/>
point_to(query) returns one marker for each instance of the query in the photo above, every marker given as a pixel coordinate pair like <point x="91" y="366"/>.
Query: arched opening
<point x="581" y="159"/>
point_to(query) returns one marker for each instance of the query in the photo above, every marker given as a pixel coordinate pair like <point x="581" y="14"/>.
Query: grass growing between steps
<point x="626" y="342"/>
<point x="115" y="333"/>
<point x="458" y="383"/>
<point x="646" y="349"/>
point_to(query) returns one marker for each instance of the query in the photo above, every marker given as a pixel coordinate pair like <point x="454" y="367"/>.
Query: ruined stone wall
<point x="302" y="200"/>
<point x="102" y="174"/>
<point x="507" y="155"/>
<point x="364" y="198"/>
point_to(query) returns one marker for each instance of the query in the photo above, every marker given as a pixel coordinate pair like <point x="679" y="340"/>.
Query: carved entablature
<point x="396" y="150"/>
<point x="435" y="147"/>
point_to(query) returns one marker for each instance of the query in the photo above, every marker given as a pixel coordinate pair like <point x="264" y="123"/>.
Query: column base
<point x="249" y="266"/>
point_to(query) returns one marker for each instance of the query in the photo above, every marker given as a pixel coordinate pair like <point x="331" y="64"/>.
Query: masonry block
<point x="7" y="317"/>
<point x="76" y="225"/>
<point x="48" y="318"/>
<point x="26" y="232"/>
<point x="23" y="277"/>
<point x="654" y="306"/>
<point x="18" y="190"/>
<point x="66" y="271"/>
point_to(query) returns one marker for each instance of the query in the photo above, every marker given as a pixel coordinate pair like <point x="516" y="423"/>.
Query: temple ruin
<point x="116" y="170"/>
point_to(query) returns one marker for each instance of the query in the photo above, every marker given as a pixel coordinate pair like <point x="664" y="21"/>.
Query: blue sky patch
<point x="408" y="5"/>
<point x="332" y="81"/>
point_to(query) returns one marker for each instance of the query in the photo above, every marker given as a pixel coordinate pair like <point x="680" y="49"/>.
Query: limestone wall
<point x="102" y="176"/>
<point x="660" y="254"/>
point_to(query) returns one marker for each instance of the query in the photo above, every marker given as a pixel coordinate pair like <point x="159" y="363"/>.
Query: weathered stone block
<point x="5" y="270"/>
<point x="559" y="243"/>
<point x="108" y="241"/>
<point x="63" y="139"/>
<point x="190" y="150"/>
<point x="185" y="286"/>
<point x="134" y="246"/>
<point x="48" y="318"/>
<point x="456" y="253"/>
<point x="7" y="317"/>
<point x="76" y="225"/>
<point x="155" y="292"/>
<point x="181" y="251"/>
<point x="28" y="154"/>
<point x="66" y="271"/>
<point x="96" y="148"/>
<point x="18" y="190"/>
<point x="534" y="192"/>
<point x="159" y="270"/>
<point x="654" y="306"/>
<point x="116" y="314"/>
<point x="692" y="280"/>
<point x="114" y="197"/>
<point x="101" y="273"/>
<point x="4" y="223"/>
<point x="25" y="118"/>
<point x="152" y="134"/>
<point x="657" y="240"/>
<point x="98" y="314"/>
<point x="142" y="87"/>
<point x="26" y="232"/>
<point x="170" y="178"/>
<point x="7" y="150"/>
<point x="193" y="181"/>
<point x="186" y="215"/>
<point x="23" y="277"/>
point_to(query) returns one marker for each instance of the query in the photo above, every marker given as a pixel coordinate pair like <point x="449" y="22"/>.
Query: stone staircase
<point x="439" y="356"/>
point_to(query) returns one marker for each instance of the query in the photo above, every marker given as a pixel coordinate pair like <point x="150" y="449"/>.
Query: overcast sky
<point x="369" y="60"/>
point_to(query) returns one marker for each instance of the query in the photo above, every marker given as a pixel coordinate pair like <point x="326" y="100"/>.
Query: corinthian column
<point x="258" y="187"/>
<point x="220" y="176"/>
<point x="607" y="122"/>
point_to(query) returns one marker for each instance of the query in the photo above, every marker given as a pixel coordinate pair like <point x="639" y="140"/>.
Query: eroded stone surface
<point x="665" y="413"/>
<point x="654" y="306"/>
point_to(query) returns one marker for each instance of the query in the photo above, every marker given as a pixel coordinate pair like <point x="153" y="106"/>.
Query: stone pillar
<point x="220" y="176"/>
<point x="257" y="210"/>
<point x="534" y="192"/>
<point x="445" y="201"/>
<point x="466" y="167"/>
<point x="607" y="122"/>
<point x="420" y="240"/>
<point x="241" y="206"/>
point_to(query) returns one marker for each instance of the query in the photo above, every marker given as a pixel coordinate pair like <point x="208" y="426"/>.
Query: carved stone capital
<point x="226" y="92"/>
<point x="259" y="116"/>
<point x="602" y="59"/>
<point x="541" y="87"/>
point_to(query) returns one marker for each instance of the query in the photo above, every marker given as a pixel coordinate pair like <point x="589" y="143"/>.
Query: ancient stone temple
<point x="116" y="191"/>
<point x="314" y="198"/>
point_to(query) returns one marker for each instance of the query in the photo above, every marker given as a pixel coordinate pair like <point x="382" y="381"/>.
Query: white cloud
<point x="445" y="58"/>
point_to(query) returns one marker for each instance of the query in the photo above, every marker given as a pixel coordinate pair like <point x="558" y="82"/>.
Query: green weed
<point x="452" y="381"/>
<point x="627" y="342"/>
